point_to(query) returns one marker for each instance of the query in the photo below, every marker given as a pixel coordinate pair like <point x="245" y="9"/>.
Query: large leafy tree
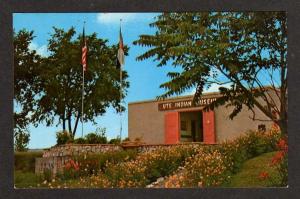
<point x="26" y="85"/>
<point x="61" y="77"/>
<point x="246" y="49"/>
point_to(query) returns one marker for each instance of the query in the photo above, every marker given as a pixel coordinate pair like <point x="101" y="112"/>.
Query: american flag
<point x="84" y="53"/>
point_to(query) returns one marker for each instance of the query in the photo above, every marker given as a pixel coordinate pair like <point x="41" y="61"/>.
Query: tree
<point x="61" y="77"/>
<point x="246" y="49"/>
<point x="26" y="85"/>
<point x="21" y="140"/>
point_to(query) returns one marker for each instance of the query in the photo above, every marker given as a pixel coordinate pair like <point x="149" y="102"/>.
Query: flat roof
<point x="175" y="98"/>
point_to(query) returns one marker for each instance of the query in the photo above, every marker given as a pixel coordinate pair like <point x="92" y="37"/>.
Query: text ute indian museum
<point x="177" y="120"/>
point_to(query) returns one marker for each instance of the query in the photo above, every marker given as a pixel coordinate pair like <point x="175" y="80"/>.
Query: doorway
<point x="191" y="126"/>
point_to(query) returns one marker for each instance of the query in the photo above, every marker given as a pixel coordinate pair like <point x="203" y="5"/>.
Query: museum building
<point x="176" y="120"/>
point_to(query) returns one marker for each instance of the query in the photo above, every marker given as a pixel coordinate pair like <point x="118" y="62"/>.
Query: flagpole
<point x="82" y="98"/>
<point x="82" y="94"/>
<point x="120" y="94"/>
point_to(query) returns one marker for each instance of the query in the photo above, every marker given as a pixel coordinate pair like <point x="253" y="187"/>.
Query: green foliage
<point x="91" y="164"/>
<point x="63" y="137"/>
<point x="248" y="176"/>
<point x="50" y="87"/>
<point x="146" y="167"/>
<point x="214" y="166"/>
<point x="21" y="140"/>
<point x="24" y="179"/>
<point x="47" y="175"/>
<point x="26" y="85"/>
<point x="244" y="49"/>
<point x="80" y="141"/>
<point x="25" y="161"/>
<point x="115" y="140"/>
<point x="96" y="138"/>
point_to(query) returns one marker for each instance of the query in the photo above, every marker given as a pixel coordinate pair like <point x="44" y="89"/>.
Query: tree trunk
<point x="64" y="122"/>
<point x="70" y="124"/>
<point x="76" y="124"/>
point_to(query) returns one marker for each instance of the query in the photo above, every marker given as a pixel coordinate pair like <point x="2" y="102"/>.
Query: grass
<point x="26" y="179"/>
<point x="248" y="176"/>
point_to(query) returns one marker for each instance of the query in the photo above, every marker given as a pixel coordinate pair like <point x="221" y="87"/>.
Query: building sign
<point x="184" y="104"/>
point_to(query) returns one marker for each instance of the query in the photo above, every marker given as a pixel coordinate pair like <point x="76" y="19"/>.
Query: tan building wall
<point x="146" y="122"/>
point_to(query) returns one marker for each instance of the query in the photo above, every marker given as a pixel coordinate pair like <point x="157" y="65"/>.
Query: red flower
<point x="278" y="157"/>
<point x="263" y="175"/>
<point x="282" y="145"/>
<point x="71" y="164"/>
<point x="68" y="166"/>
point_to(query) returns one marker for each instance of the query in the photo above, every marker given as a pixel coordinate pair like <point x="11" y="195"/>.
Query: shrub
<point x="63" y="137"/>
<point x="146" y="167"/>
<point x="47" y="175"/>
<point x="80" y="141"/>
<point x="89" y="165"/>
<point x="96" y="138"/>
<point x="280" y="161"/>
<point x="115" y="140"/>
<point x="25" y="161"/>
<point x="215" y="165"/>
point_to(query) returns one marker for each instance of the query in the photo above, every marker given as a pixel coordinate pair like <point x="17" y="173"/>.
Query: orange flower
<point x="263" y="175"/>
<point x="278" y="157"/>
<point x="282" y="145"/>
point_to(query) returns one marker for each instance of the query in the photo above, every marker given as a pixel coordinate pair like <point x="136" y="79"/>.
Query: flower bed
<point x="214" y="167"/>
<point x="88" y="165"/>
<point x="146" y="168"/>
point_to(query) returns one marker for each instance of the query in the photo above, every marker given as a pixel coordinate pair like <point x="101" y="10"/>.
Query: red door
<point x="171" y="128"/>
<point x="209" y="127"/>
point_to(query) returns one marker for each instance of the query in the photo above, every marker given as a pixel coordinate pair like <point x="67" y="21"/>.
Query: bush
<point x="80" y="141"/>
<point x="115" y="140"/>
<point x="97" y="138"/>
<point x="215" y="165"/>
<point x="63" y="137"/>
<point x="25" y="161"/>
<point x="92" y="164"/>
<point x="145" y="168"/>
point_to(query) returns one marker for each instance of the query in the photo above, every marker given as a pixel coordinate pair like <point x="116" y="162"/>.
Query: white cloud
<point x="212" y="88"/>
<point x="108" y="18"/>
<point x="215" y="88"/>
<point x="41" y="50"/>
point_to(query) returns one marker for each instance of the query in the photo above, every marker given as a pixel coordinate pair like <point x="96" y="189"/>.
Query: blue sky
<point x="144" y="76"/>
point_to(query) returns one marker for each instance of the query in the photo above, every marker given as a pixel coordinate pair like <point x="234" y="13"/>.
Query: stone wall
<point x="56" y="157"/>
<point x="80" y="149"/>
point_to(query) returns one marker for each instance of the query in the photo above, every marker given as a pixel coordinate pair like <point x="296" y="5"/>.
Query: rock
<point x="149" y="186"/>
<point x="160" y="180"/>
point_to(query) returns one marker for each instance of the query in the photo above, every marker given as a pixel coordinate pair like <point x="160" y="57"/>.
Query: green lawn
<point x="26" y="179"/>
<point x="250" y="171"/>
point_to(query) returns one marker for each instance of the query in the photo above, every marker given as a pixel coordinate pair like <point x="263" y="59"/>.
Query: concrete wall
<point x="145" y="121"/>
